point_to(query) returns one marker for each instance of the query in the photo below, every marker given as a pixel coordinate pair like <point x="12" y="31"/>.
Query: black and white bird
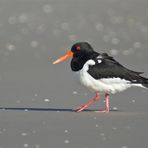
<point x="101" y="73"/>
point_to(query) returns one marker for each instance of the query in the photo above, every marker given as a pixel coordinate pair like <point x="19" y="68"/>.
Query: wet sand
<point x="70" y="129"/>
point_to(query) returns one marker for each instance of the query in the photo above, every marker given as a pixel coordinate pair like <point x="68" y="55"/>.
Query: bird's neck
<point x="77" y="63"/>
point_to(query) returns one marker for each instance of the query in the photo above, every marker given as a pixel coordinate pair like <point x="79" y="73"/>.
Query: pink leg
<point x="82" y="107"/>
<point x="106" y="104"/>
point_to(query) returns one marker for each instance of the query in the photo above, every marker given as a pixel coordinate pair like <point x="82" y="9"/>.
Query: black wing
<point x="110" y="68"/>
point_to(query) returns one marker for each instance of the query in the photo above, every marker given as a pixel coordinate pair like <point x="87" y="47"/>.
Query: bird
<point x="101" y="73"/>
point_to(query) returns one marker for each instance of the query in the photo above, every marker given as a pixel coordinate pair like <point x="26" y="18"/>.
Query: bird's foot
<point x="80" y="108"/>
<point x="103" y="111"/>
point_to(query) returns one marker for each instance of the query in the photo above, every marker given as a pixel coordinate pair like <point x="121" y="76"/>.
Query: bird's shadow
<point x="45" y="109"/>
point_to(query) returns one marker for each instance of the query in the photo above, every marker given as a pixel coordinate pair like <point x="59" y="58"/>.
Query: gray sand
<point x="33" y="33"/>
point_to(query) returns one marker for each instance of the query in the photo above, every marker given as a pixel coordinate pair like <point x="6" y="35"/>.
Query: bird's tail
<point x="144" y="82"/>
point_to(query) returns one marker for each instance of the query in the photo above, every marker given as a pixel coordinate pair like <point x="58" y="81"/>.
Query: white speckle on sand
<point x="102" y="134"/>
<point x="137" y="45"/>
<point x="18" y="101"/>
<point x="37" y="146"/>
<point x="124" y="147"/>
<point x="97" y="125"/>
<point x="95" y="118"/>
<point x="23" y="18"/>
<point x="75" y="92"/>
<point x="24" y="134"/>
<point x="133" y="101"/>
<point x="66" y="141"/>
<point x="115" y="108"/>
<point x="99" y="27"/>
<point x="34" y="44"/>
<point x="46" y="100"/>
<point x="114" y="128"/>
<point x="47" y="8"/>
<point x="66" y="131"/>
<point x="35" y="94"/>
<point x="26" y="145"/>
<point x="10" y="47"/>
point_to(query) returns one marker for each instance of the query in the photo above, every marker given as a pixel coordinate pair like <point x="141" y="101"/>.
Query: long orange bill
<point x="66" y="56"/>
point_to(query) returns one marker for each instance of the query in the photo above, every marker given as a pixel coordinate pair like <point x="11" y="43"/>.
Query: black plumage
<point x="110" y="68"/>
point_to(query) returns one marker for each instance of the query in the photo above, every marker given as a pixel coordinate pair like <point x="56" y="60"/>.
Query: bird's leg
<point x="106" y="104"/>
<point x="82" y="107"/>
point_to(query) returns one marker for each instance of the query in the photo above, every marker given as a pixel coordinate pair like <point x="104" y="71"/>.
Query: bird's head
<point x="78" y="49"/>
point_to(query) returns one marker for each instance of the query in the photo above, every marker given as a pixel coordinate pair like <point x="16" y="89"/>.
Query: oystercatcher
<point x="101" y="73"/>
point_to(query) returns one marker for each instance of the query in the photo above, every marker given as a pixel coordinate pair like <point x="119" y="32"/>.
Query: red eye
<point x="78" y="48"/>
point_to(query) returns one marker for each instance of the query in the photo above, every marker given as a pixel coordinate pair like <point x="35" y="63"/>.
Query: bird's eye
<point x="78" y="48"/>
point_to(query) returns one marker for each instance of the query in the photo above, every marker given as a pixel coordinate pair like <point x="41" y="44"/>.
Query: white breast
<point x="110" y="85"/>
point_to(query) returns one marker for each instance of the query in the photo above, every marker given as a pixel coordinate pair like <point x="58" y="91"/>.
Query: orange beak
<point x="66" y="56"/>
